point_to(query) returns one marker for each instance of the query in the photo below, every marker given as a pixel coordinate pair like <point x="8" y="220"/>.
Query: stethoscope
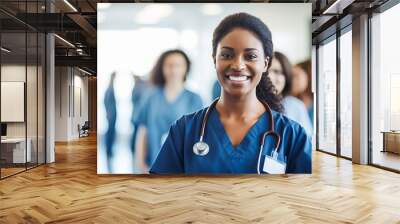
<point x="201" y="148"/>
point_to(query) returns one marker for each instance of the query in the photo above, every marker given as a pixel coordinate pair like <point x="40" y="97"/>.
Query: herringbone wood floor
<point x="70" y="191"/>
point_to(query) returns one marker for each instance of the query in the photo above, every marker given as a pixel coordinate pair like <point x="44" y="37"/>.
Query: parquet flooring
<point x="9" y="171"/>
<point x="70" y="191"/>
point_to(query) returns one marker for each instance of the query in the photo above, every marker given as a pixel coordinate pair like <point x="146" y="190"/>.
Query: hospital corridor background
<point x="90" y="88"/>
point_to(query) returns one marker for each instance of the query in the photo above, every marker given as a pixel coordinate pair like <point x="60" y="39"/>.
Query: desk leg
<point x="384" y="142"/>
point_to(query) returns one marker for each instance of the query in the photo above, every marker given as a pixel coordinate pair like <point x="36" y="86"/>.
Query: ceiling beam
<point x="83" y="61"/>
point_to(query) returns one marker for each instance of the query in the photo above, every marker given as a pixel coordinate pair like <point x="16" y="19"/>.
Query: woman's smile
<point x="237" y="78"/>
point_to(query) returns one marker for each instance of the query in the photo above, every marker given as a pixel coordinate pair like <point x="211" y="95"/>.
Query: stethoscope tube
<point x="201" y="148"/>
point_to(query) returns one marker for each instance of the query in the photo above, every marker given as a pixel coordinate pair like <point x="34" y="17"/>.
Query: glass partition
<point x="31" y="101"/>
<point x="346" y="94"/>
<point x="41" y="107"/>
<point x="32" y="95"/>
<point x="13" y="108"/>
<point x="385" y="89"/>
<point x="22" y="77"/>
<point x="327" y="97"/>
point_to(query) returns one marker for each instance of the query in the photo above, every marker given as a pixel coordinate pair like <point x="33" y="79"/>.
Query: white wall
<point x="69" y="82"/>
<point x="10" y="73"/>
<point x="61" y="103"/>
<point x="79" y="117"/>
<point x="16" y="73"/>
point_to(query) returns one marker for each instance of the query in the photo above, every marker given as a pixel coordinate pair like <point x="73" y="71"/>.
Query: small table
<point x="391" y="141"/>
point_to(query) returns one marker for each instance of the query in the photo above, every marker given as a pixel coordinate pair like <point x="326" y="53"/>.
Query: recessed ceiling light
<point x="5" y="50"/>
<point x="70" y="5"/>
<point x="64" y="40"/>
<point x="337" y="7"/>
<point x="84" y="71"/>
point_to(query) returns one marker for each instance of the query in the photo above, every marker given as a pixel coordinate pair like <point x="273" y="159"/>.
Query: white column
<point x="50" y="99"/>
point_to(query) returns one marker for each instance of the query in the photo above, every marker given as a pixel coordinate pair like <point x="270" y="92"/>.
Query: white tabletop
<point x="13" y="140"/>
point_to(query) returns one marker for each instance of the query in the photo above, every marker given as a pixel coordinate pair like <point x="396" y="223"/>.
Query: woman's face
<point x="276" y="75"/>
<point x="300" y="81"/>
<point x="240" y="62"/>
<point x="174" y="68"/>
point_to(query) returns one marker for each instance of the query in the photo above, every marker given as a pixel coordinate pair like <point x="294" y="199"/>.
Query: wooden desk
<point x="391" y="141"/>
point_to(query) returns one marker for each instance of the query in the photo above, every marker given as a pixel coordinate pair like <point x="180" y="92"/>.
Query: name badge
<point x="273" y="166"/>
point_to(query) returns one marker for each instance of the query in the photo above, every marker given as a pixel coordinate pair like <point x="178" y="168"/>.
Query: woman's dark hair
<point x="286" y="71"/>
<point x="306" y="66"/>
<point x="157" y="74"/>
<point x="265" y="89"/>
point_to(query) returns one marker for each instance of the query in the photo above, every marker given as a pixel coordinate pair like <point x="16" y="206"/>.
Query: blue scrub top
<point x="297" y="111"/>
<point x="157" y="114"/>
<point x="176" y="155"/>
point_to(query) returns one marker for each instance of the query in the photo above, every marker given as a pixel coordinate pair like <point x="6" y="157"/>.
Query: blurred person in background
<point x="140" y="92"/>
<point x="216" y="90"/>
<point x="301" y="86"/>
<point x="167" y="102"/>
<point x="111" y="115"/>
<point x="281" y="76"/>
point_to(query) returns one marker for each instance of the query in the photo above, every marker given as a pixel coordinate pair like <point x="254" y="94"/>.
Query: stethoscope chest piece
<point x="201" y="148"/>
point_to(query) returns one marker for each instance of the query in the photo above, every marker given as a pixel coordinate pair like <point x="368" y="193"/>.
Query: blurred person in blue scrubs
<point x="111" y="116"/>
<point x="166" y="103"/>
<point x="216" y="90"/>
<point x="281" y="76"/>
<point x="302" y="86"/>
<point x="243" y="131"/>
<point x="140" y="92"/>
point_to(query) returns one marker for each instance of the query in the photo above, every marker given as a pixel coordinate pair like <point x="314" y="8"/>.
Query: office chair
<point x="84" y="130"/>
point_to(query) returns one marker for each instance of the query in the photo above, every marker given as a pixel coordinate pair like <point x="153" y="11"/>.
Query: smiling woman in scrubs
<point x="236" y="124"/>
<point x="164" y="105"/>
